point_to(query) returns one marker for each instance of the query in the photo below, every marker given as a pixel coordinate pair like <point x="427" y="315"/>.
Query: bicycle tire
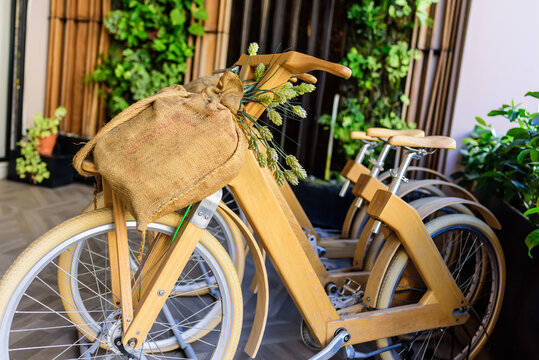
<point x="479" y="253"/>
<point x="23" y="288"/>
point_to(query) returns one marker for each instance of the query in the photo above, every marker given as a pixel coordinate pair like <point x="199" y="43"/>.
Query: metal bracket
<point x="376" y="164"/>
<point x="341" y="337"/>
<point x="394" y="174"/>
<point x="205" y="209"/>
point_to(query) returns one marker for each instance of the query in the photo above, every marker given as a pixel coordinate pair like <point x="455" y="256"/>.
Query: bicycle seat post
<point x="400" y="175"/>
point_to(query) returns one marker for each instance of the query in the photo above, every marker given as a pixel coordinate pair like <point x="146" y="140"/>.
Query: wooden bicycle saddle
<point x="361" y="135"/>
<point x="387" y="133"/>
<point x="427" y="142"/>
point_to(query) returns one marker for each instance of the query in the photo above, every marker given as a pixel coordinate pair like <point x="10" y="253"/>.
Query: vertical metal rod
<point x="397" y="179"/>
<point x="380" y="161"/>
<point x="187" y="348"/>
<point x="331" y="132"/>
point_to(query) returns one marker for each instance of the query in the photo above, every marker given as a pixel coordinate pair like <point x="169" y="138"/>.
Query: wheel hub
<point x="114" y="340"/>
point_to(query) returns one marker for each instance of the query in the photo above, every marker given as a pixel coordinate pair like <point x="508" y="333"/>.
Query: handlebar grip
<point x="297" y="63"/>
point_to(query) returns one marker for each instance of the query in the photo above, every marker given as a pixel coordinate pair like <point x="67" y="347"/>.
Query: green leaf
<point x="534" y="94"/>
<point x="177" y="17"/>
<point x="531" y="211"/>
<point x="496" y="112"/>
<point x="196" y="29"/>
<point x="522" y="155"/>
<point x="480" y="121"/>
<point x="518" y="133"/>
<point x="532" y="240"/>
<point x="534" y="155"/>
<point x="200" y="14"/>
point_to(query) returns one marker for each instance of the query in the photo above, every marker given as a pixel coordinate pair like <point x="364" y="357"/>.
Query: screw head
<point x="132" y="342"/>
<point x="138" y="332"/>
<point x="128" y="320"/>
<point x="368" y="298"/>
<point x="161" y="292"/>
<point x="206" y="217"/>
<point x="200" y="213"/>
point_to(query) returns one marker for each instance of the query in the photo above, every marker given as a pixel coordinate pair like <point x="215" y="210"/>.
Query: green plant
<point x="149" y="50"/>
<point x="277" y="102"/>
<point x="30" y="163"/>
<point x="379" y="56"/>
<point x="506" y="166"/>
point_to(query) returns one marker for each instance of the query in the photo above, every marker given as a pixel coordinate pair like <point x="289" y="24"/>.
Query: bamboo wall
<point x="431" y="84"/>
<point x="77" y="37"/>
<point x="211" y="50"/>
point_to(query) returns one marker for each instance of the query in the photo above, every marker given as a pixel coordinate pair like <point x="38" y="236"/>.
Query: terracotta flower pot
<point x="46" y="145"/>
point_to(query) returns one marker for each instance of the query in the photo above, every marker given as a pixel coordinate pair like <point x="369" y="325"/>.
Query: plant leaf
<point x="196" y="29"/>
<point x="518" y="133"/>
<point x="496" y="112"/>
<point x="481" y="121"/>
<point x="201" y="14"/>
<point x="177" y="17"/>
<point x="531" y="211"/>
<point x="534" y="94"/>
<point x="532" y="240"/>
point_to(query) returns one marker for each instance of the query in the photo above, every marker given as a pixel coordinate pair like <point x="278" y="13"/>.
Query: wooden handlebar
<point x="297" y="63"/>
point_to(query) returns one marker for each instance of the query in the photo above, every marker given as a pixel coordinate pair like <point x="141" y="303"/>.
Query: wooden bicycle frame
<point x="281" y="237"/>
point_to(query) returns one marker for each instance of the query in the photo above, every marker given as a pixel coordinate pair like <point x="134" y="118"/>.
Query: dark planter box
<point x="517" y="331"/>
<point x="322" y="203"/>
<point x="59" y="166"/>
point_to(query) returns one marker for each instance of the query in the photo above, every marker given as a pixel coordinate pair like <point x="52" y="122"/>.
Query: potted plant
<point x="40" y="141"/>
<point x="504" y="170"/>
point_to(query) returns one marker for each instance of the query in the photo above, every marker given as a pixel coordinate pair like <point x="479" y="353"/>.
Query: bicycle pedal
<point x="349" y="288"/>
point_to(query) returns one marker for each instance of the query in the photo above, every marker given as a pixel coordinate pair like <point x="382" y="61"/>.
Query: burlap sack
<point x="198" y="85"/>
<point x="171" y="149"/>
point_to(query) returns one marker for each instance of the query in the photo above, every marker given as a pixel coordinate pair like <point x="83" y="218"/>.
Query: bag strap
<point x="119" y="119"/>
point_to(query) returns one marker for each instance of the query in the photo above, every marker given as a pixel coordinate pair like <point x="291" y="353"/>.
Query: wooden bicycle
<point x="424" y="294"/>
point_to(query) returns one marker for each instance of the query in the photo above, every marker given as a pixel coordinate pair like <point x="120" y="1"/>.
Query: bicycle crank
<point x="341" y="337"/>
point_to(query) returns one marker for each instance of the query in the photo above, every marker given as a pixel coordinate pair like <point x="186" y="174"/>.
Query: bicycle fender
<point x="426" y="208"/>
<point x="262" y="287"/>
<point x="418" y="184"/>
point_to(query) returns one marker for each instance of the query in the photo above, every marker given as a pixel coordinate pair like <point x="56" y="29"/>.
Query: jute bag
<point x="171" y="149"/>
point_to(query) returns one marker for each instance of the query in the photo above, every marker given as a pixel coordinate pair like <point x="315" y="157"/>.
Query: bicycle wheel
<point x="475" y="259"/>
<point x="36" y="322"/>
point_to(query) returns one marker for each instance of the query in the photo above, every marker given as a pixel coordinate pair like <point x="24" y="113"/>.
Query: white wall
<point x="5" y="32"/>
<point x="35" y="67"/>
<point x="500" y="63"/>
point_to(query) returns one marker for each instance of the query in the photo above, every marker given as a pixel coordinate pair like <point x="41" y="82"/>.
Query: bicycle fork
<point x="154" y="292"/>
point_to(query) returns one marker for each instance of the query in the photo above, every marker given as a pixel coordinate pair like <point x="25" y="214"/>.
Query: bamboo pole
<point x="427" y="83"/>
<point x="408" y="84"/>
<point x="81" y="53"/>
<point x="69" y="63"/>
<point x="86" y="119"/>
<point x="225" y="14"/>
<point x="209" y="40"/>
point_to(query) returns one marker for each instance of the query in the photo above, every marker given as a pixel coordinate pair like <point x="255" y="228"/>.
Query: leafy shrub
<point x="506" y="166"/>
<point x="379" y="56"/>
<point x="149" y="50"/>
